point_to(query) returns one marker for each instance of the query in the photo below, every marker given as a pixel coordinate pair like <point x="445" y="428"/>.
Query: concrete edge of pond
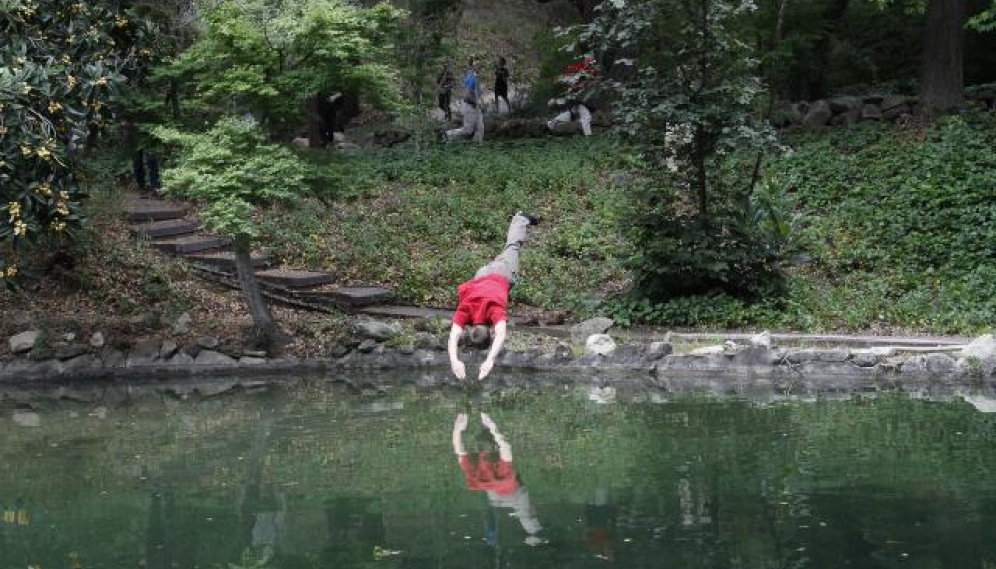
<point x="654" y="363"/>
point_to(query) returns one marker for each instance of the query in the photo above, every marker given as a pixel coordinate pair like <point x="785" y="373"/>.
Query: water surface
<point x="316" y="475"/>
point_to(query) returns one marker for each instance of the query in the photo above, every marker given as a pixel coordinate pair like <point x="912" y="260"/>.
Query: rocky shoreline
<point x="375" y="350"/>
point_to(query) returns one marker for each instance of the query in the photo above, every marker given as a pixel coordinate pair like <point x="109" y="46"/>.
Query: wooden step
<point x="153" y="210"/>
<point x="395" y="311"/>
<point x="225" y="260"/>
<point x="291" y="278"/>
<point x="165" y="228"/>
<point x="350" y="296"/>
<point x="190" y="244"/>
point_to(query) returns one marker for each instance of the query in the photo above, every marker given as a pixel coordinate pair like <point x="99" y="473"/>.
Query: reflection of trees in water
<point x="160" y="541"/>
<point x="355" y="528"/>
<point x="695" y="484"/>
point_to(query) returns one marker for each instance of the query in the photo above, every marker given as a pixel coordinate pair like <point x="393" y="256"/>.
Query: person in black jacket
<point x="328" y="108"/>
<point x="501" y="86"/>
<point x="444" y="89"/>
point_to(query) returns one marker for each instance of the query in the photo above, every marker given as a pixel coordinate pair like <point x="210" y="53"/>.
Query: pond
<point x="316" y="474"/>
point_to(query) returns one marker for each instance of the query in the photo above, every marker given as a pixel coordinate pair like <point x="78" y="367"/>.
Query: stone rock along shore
<point x="589" y="352"/>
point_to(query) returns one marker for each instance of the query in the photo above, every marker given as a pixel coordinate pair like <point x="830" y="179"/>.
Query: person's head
<point x="485" y="443"/>
<point x="501" y="61"/>
<point x="470" y="64"/>
<point x="480" y="335"/>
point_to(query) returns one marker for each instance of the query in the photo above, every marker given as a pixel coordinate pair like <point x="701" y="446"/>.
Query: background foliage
<point x="269" y="58"/>
<point x="60" y="63"/>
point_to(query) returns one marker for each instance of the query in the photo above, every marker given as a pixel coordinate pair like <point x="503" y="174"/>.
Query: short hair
<point x="480" y="335"/>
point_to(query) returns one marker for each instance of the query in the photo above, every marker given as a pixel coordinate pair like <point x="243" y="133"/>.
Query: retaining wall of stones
<point x="850" y="110"/>
<point x="723" y="367"/>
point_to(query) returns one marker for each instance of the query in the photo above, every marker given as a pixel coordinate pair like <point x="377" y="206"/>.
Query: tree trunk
<point x="264" y="327"/>
<point x="314" y="123"/>
<point x="833" y="14"/>
<point x="701" y="177"/>
<point x="941" y="69"/>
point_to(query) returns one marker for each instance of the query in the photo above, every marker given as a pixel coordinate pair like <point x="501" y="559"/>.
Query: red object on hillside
<point x="576" y="74"/>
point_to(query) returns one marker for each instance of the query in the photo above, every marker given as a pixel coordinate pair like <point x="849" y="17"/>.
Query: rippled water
<point x="317" y="476"/>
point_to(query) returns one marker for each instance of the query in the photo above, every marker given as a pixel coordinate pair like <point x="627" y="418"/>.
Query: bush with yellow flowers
<point x="60" y="63"/>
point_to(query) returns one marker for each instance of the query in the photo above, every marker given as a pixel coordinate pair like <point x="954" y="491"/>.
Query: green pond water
<point x="316" y="475"/>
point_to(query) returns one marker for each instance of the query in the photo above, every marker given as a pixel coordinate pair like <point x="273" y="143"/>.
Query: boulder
<point x="894" y="101"/>
<point x="24" y="342"/>
<point x="597" y="325"/>
<point x="213" y="358"/>
<point x="376" y="330"/>
<point x="208" y="342"/>
<point x="143" y="354"/>
<point x="814" y="355"/>
<point x="69" y="351"/>
<point x="181" y="359"/>
<point x="762" y="340"/>
<point x="852" y="117"/>
<point x="871" y="112"/>
<point x="367" y="346"/>
<point x="599" y="344"/>
<point x="982" y="348"/>
<point x="840" y="105"/>
<point x="167" y="350"/>
<point x="112" y="357"/>
<point x="786" y="114"/>
<point x="894" y="113"/>
<point x="818" y="115"/>
<point x="182" y="324"/>
<point x="657" y="350"/>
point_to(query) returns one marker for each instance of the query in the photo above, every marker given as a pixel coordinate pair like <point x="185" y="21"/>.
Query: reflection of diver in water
<point x="491" y="470"/>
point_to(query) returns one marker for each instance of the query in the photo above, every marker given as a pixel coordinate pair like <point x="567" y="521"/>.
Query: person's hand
<point x="459" y="369"/>
<point x="486" y="368"/>
<point x="488" y="422"/>
<point x="461" y="422"/>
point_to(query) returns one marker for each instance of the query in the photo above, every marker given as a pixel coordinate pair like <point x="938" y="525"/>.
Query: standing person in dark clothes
<point x="144" y="162"/>
<point x="501" y="86"/>
<point x="444" y="89"/>
<point x="328" y="108"/>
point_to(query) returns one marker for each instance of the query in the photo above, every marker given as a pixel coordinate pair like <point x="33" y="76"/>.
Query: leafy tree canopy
<point x="267" y="57"/>
<point x="231" y="169"/>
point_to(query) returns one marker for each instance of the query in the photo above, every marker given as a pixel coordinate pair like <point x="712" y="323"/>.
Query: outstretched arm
<point x="459" y="369"/>
<point x="504" y="449"/>
<point x="458" y="427"/>
<point x="496" y="344"/>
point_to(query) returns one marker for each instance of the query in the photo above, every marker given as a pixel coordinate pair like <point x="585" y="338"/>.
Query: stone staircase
<point x="173" y="228"/>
